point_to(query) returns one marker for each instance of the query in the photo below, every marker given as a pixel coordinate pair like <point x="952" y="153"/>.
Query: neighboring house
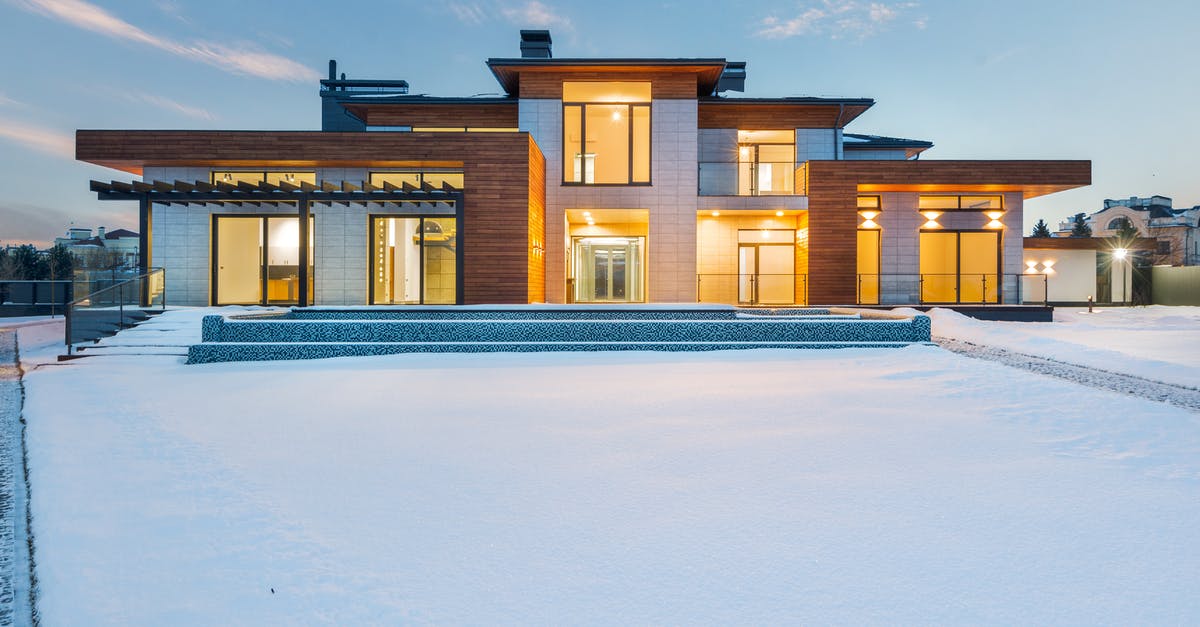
<point x="608" y="180"/>
<point x="1176" y="231"/>
<point x="119" y="246"/>
<point x="1076" y="270"/>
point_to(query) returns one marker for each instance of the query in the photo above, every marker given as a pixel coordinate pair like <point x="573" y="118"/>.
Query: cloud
<point x="535" y="13"/>
<point x="836" y="19"/>
<point x="5" y="101"/>
<point x="239" y="60"/>
<point x="43" y="140"/>
<point x="530" y="14"/>
<point x="169" y="105"/>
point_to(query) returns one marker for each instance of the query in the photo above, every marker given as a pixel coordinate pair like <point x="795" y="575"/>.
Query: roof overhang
<point x="1030" y="178"/>
<point x="181" y="192"/>
<point x="707" y="70"/>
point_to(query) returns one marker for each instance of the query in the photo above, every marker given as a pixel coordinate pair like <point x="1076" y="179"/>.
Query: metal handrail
<point x="982" y="276"/>
<point x="69" y="310"/>
<point x="753" y="278"/>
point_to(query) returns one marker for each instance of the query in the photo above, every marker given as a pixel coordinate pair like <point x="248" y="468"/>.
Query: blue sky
<point x="1114" y="82"/>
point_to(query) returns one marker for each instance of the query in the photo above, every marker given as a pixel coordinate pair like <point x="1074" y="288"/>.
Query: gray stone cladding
<point x="297" y="337"/>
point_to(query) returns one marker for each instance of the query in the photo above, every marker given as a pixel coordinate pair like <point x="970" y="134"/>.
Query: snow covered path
<point x="10" y="412"/>
<point x="768" y="486"/>
<point x="1180" y="396"/>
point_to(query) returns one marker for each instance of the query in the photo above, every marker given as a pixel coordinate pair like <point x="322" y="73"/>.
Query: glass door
<point x="766" y="274"/>
<point x="257" y="260"/>
<point x="608" y="269"/>
<point x="238" y="252"/>
<point x="960" y="266"/>
<point x="414" y="261"/>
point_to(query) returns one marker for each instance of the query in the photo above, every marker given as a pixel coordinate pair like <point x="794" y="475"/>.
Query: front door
<point x="766" y="274"/>
<point x="608" y="270"/>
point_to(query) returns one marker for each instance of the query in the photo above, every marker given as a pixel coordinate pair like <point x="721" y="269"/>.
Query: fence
<point x="118" y="306"/>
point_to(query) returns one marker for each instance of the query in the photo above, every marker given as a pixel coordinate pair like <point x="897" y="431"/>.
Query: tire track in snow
<point x="1177" y="395"/>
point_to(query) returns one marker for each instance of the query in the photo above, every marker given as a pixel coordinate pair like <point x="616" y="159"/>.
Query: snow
<point x="1156" y="342"/>
<point x="767" y="486"/>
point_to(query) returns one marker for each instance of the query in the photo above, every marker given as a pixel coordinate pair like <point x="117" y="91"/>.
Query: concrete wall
<point x="670" y="199"/>
<point x="818" y="144"/>
<point x="1070" y="275"/>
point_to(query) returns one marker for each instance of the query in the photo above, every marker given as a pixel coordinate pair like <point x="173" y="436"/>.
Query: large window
<point x="258" y="260"/>
<point x="417" y="177"/>
<point x="255" y="177"/>
<point x="606" y="133"/>
<point x="414" y="260"/>
<point x="766" y="162"/>
<point x="960" y="266"/>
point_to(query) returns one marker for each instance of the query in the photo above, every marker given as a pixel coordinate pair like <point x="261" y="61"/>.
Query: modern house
<point x="592" y="180"/>
<point x="1176" y="231"/>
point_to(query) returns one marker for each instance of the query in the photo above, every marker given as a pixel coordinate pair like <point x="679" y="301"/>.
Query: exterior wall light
<point x="868" y="216"/>
<point x="1120" y="254"/>
<point x="994" y="216"/>
<point x="931" y="219"/>
<point x="1030" y="267"/>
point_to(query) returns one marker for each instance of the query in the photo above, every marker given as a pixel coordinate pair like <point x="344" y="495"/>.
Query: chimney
<point x="733" y="77"/>
<point x="100" y="232"/>
<point x="332" y="69"/>
<point x="535" y="44"/>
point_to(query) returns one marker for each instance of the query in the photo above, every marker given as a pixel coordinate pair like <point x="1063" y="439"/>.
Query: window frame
<point x="583" y="171"/>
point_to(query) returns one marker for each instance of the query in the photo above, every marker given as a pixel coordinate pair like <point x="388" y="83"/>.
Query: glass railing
<point x="118" y="306"/>
<point x="951" y="289"/>
<point x="752" y="289"/>
<point x="747" y="179"/>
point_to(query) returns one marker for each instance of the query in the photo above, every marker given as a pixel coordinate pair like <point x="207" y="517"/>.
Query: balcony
<point x="762" y="178"/>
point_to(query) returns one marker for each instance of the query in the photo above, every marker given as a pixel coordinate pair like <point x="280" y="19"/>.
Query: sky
<point x="1110" y="81"/>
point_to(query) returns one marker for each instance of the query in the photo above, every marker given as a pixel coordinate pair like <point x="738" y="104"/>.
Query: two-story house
<point x="607" y="180"/>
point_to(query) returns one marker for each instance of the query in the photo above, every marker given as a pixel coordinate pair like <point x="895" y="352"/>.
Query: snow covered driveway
<point x="768" y="486"/>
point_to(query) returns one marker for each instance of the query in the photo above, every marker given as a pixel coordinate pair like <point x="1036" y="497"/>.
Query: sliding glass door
<point x="960" y="266"/>
<point x="414" y="261"/>
<point x="257" y="260"/>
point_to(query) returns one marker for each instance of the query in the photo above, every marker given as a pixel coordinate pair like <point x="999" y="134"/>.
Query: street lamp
<point x="1120" y="254"/>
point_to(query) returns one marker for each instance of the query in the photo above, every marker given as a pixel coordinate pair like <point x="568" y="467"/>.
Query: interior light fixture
<point x="227" y="177"/>
<point x="778" y="214"/>
<point x="616" y="116"/>
<point x="745" y="152"/>
<point x="716" y="214"/>
<point x="587" y="214"/>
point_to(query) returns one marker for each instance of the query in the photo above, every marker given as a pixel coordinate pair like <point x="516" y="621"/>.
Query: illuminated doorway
<point x="257" y="260"/>
<point x="414" y="261"/>
<point x="609" y="269"/>
<point x="960" y="266"/>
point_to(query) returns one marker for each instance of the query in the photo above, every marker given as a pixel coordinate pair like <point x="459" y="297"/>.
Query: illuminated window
<point x="415" y="178"/>
<point x="606" y="133"/>
<point x="254" y="177"/>
<point x="766" y="162"/>
<point x="960" y="203"/>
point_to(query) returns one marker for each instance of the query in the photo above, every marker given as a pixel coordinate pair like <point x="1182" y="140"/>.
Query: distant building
<point x="1176" y="231"/>
<point x="120" y="245"/>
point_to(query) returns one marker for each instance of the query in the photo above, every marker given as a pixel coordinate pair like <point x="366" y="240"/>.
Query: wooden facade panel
<point x="537" y="226"/>
<point x="493" y="115"/>
<point x="663" y="85"/>
<point x="762" y="116"/>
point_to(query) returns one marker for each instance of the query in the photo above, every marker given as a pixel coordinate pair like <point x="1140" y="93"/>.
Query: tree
<point x="24" y="263"/>
<point x="1080" y="228"/>
<point x="1126" y="233"/>
<point x="60" y="262"/>
<point x="1041" y="229"/>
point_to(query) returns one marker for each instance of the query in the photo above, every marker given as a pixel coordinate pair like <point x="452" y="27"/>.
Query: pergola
<point x="302" y="194"/>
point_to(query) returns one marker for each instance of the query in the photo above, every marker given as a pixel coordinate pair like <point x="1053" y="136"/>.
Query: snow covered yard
<point x="767" y="486"/>
<point x="1156" y="342"/>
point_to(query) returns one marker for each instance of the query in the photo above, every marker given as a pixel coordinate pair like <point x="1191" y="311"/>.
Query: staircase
<point x="329" y="332"/>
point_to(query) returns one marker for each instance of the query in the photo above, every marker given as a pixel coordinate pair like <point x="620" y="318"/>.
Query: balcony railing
<point x="952" y="289"/>
<point x="733" y="178"/>
<point x="752" y="289"/>
<point x="118" y="306"/>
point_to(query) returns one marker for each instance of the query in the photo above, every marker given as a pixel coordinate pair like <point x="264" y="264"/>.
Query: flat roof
<point x="708" y="70"/>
